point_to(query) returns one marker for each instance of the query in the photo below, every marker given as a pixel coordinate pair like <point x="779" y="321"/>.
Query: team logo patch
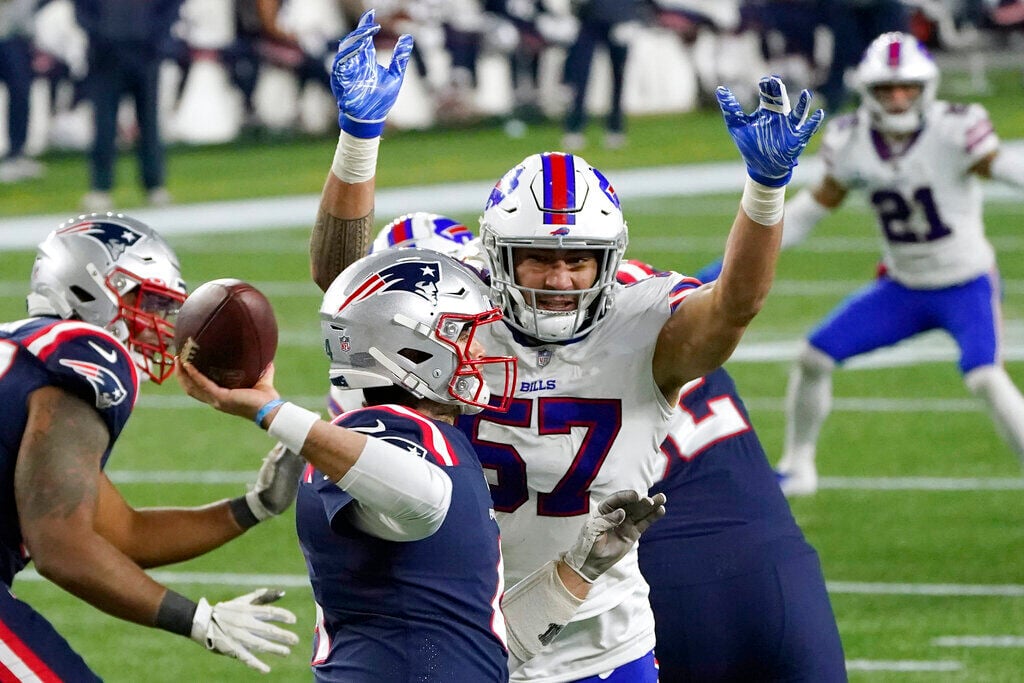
<point x="109" y="390"/>
<point x="406" y="445"/>
<point x="508" y="183"/>
<point x="452" y="230"/>
<point x="416" y="277"/>
<point x="114" y="238"/>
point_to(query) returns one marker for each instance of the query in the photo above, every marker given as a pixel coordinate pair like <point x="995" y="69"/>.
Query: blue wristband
<point x="267" y="407"/>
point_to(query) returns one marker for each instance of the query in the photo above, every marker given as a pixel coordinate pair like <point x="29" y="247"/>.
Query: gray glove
<point x="276" y="483"/>
<point x="611" y="533"/>
<point x="239" y="627"/>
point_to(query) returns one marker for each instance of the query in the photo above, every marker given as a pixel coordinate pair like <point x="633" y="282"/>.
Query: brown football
<point x="227" y="330"/>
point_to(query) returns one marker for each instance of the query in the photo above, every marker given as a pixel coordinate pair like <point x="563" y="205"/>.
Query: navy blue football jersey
<point x="80" y="358"/>
<point x="717" y="475"/>
<point x="401" y="611"/>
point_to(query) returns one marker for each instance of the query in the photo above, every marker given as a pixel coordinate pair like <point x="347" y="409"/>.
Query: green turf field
<point x="928" y="584"/>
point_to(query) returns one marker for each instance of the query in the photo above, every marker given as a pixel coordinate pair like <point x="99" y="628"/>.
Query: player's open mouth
<point x="560" y="303"/>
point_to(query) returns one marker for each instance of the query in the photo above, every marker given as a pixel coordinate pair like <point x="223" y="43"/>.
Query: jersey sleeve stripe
<point x="47" y="340"/>
<point x="433" y="439"/>
<point x="18" y="658"/>
<point x="978" y="134"/>
<point x="684" y="288"/>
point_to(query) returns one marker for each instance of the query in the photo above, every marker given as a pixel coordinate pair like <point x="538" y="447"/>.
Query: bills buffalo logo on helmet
<point x="453" y="230"/>
<point x="113" y="236"/>
<point x="508" y="183"/>
<point x="416" y="277"/>
<point x="109" y="390"/>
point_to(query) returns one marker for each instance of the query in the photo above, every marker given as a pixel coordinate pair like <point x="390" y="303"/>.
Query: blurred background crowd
<point x="98" y="75"/>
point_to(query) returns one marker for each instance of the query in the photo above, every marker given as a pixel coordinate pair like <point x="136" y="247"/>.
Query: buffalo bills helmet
<point x="896" y="58"/>
<point x="423" y="230"/>
<point x="553" y="201"/>
<point x="408" y="318"/>
<point x="116" y="273"/>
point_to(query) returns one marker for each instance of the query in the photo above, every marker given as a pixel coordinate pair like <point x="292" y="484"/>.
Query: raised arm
<point x="365" y="91"/>
<point x="708" y="324"/>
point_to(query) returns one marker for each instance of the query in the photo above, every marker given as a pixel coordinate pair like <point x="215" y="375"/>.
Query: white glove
<point x="238" y="627"/>
<point x="277" y="482"/>
<point x="611" y="533"/>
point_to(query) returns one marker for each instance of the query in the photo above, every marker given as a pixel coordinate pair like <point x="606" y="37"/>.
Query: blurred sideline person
<point x="17" y="74"/>
<point x="737" y="591"/>
<point x="919" y="161"/>
<point x="127" y="42"/>
<point x="554" y="235"/>
<point x="394" y="515"/>
<point x="104" y="293"/>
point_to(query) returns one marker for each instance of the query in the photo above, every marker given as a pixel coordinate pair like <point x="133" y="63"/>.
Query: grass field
<point x="920" y="524"/>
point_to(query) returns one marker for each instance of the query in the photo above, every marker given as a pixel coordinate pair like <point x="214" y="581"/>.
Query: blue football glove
<point x="772" y="137"/>
<point x="365" y="90"/>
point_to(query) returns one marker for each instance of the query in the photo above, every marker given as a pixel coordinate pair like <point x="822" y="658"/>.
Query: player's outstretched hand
<point x="239" y="627"/>
<point x="365" y="90"/>
<point x="610" y="533"/>
<point x="772" y="137"/>
<point x="276" y="483"/>
<point x="242" y="402"/>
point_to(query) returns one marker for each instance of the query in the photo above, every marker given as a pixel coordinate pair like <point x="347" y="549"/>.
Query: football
<point x="227" y="330"/>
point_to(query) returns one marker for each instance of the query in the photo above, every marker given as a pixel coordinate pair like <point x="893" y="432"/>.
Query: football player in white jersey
<point x="601" y="365"/>
<point x="919" y="161"/>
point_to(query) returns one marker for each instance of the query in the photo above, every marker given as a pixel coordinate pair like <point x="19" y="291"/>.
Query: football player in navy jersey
<point x="394" y="514"/>
<point x="737" y="592"/>
<point x="104" y="292"/>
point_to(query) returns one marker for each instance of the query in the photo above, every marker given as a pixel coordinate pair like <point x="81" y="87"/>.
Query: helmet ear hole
<point x="82" y="295"/>
<point x="417" y="356"/>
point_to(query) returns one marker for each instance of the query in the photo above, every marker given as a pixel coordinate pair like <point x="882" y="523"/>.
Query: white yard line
<point x="979" y="641"/>
<point x="903" y="665"/>
<point x="248" y="215"/>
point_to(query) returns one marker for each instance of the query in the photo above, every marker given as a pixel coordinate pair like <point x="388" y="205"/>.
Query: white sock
<point x="1004" y="401"/>
<point x="808" y="403"/>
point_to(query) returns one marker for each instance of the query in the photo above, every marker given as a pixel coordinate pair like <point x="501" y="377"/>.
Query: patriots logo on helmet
<point x="114" y="237"/>
<point x="416" y="277"/>
<point x="109" y="390"/>
<point x="508" y="183"/>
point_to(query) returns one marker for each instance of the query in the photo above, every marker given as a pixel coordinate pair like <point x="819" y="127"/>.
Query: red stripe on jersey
<point x="48" y="339"/>
<point x="20" y="657"/>
<point x="307" y="473"/>
<point x="433" y="440"/>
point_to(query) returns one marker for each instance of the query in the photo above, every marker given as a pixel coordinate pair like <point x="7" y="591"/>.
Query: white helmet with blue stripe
<point x="424" y="231"/>
<point x="553" y="201"/>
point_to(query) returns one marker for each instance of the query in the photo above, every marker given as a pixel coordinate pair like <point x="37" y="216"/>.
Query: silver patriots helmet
<point x="408" y="317"/>
<point x="116" y="273"/>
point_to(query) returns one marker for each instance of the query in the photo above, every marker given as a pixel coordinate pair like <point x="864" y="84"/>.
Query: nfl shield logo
<point x="345" y="344"/>
<point x="543" y="357"/>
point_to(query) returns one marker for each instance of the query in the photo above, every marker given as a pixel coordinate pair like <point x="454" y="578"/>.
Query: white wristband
<point x="761" y="203"/>
<point x="536" y="609"/>
<point x="291" y="426"/>
<point x="355" y="159"/>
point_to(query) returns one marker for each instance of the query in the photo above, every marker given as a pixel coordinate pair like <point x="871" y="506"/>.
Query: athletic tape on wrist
<point x="536" y="609"/>
<point x="243" y="513"/>
<point x="763" y="204"/>
<point x="176" y="613"/>
<point x="355" y="159"/>
<point x="291" y="426"/>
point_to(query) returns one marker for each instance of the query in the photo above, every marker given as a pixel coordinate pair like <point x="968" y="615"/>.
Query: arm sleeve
<point x="803" y="212"/>
<point x="1008" y="168"/>
<point x="399" y="495"/>
<point x="536" y="610"/>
